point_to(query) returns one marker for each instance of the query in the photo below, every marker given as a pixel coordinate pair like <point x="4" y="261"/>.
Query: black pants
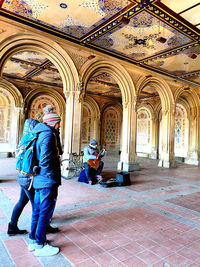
<point x="91" y="172"/>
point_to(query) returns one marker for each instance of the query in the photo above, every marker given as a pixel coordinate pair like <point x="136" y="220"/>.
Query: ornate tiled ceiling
<point x="34" y="67"/>
<point x="161" y="35"/>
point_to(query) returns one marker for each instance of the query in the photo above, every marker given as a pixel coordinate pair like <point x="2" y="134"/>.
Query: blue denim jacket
<point x="47" y="156"/>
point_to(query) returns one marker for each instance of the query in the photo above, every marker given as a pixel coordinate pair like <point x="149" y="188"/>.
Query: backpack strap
<point x="31" y="183"/>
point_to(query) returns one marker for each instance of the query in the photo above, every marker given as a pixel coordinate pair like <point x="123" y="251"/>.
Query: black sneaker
<point x="14" y="230"/>
<point x="52" y="230"/>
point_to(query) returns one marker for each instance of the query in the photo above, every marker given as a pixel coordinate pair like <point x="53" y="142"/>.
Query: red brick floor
<point x="153" y="222"/>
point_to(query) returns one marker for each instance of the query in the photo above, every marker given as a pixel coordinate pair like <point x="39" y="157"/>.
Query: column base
<point x="167" y="163"/>
<point x="154" y="154"/>
<point x="192" y="161"/>
<point x="128" y="166"/>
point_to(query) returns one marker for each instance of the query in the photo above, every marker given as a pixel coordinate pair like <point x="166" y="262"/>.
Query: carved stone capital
<point x="165" y="112"/>
<point x="125" y="104"/>
<point x="79" y="86"/>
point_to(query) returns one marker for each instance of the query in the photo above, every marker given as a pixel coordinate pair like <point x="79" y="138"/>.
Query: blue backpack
<point x="26" y="155"/>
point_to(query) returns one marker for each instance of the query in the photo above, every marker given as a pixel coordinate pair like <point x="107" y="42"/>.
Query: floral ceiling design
<point x="160" y="35"/>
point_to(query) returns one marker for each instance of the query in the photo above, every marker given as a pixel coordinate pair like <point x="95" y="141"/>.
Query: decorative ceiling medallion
<point x="110" y="6"/>
<point x="63" y="5"/>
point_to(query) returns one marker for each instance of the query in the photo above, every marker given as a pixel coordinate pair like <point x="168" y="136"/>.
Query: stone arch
<point x="181" y="130"/>
<point x="90" y="122"/>
<point x="117" y="71"/>
<point x="143" y="145"/>
<point x="127" y="88"/>
<point x="112" y="103"/>
<point x="168" y="111"/>
<point x="112" y="108"/>
<point x="57" y="55"/>
<point x="185" y="104"/>
<point x="189" y="99"/>
<point x="93" y="104"/>
<point x="11" y="103"/>
<point x="52" y="93"/>
<point x="17" y="96"/>
<point x="163" y="89"/>
<point x="192" y="99"/>
<point x="147" y="106"/>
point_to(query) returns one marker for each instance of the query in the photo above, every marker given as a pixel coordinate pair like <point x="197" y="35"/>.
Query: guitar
<point x="94" y="163"/>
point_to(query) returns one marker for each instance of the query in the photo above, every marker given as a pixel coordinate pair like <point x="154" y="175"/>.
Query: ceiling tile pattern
<point x="76" y="17"/>
<point x="32" y="66"/>
<point x="160" y="35"/>
<point x="137" y="40"/>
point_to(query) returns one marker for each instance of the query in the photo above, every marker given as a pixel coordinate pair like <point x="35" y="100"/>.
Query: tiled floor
<point x="153" y="222"/>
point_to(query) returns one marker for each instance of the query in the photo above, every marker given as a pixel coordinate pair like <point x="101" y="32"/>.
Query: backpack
<point x="83" y="178"/>
<point x="26" y="155"/>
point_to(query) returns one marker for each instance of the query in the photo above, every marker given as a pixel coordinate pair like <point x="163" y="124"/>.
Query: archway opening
<point x="39" y="82"/>
<point x="147" y="139"/>
<point x="102" y="114"/>
<point x="181" y="132"/>
<point x="144" y="131"/>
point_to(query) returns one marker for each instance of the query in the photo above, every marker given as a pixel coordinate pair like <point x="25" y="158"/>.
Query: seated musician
<point x="92" y="162"/>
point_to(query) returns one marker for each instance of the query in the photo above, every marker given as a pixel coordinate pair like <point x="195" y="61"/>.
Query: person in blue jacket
<point x="89" y="153"/>
<point x="25" y="194"/>
<point x="45" y="183"/>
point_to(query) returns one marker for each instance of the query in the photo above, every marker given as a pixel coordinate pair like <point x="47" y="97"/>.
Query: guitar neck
<point x="100" y="152"/>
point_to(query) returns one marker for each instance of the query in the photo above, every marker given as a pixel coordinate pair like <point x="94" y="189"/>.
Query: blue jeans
<point x="25" y="196"/>
<point x="44" y="205"/>
<point x="91" y="172"/>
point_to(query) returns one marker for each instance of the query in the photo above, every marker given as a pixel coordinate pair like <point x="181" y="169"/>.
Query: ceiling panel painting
<point x="48" y="76"/>
<point x="31" y="56"/>
<point x="161" y="35"/>
<point x="17" y="69"/>
<point x="138" y="41"/>
<point x="76" y="18"/>
<point x="184" y="62"/>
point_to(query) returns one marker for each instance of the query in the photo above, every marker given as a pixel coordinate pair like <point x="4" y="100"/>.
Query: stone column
<point x="193" y="154"/>
<point x="129" y="126"/>
<point x="96" y="129"/>
<point x="155" y="132"/>
<point x="72" y="123"/>
<point x="20" y="123"/>
<point x="167" y="128"/>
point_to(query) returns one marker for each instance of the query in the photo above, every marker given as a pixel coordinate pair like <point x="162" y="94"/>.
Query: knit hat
<point x="93" y="143"/>
<point x="50" y="117"/>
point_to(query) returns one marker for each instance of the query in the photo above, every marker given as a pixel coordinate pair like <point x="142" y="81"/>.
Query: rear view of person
<point x="45" y="184"/>
<point x="25" y="194"/>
